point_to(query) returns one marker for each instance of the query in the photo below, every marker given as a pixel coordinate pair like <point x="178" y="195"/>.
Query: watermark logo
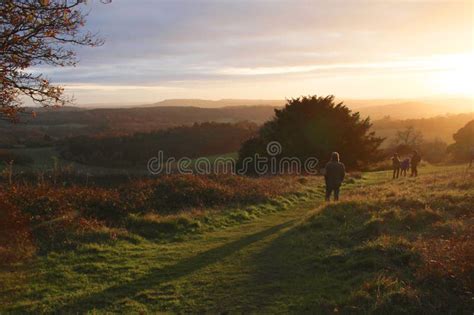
<point x="274" y="148"/>
<point x="270" y="164"/>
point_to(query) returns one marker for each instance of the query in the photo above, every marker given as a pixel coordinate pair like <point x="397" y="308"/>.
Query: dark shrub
<point x="15" y="235"/>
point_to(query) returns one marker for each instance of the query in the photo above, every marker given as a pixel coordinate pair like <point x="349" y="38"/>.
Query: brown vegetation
<point x="51" y="217"/>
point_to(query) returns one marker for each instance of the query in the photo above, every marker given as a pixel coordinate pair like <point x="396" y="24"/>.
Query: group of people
<point x="335" y="171"/>
<point x="401" y="167"/>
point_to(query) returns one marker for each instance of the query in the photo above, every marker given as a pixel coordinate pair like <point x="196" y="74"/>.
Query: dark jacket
<point x="405" y="164"/>
<point x="335" y="173"/>
<point x="415" y="160"/>
<point x="396" y="162"/>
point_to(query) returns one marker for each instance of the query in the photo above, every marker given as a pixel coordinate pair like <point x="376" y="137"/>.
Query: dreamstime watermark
<point x="271" y="164"/>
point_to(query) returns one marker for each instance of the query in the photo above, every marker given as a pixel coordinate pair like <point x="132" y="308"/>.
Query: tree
<point x="409" y="137"/>
<point x="407" y="140"/>
<point x="434" y="151"/>
<point x="314" y="127"/>
<point x="33" y="33"/>
<point x="464" y="142"/>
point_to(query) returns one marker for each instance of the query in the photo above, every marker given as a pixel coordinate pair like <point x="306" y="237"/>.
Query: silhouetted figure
<point x="396" y="165"/>
<point x="404" y="166"/>
<point x="335" y="173"/>
<point x="415" y="160"/>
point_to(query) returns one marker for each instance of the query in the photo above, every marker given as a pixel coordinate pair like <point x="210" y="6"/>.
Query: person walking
<point x="396" y="166"/>
<point x="334" y="176"/>
<point x="415" y="160"/>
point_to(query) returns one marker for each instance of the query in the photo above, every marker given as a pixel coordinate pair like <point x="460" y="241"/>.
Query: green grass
<point x="291" y="255"/>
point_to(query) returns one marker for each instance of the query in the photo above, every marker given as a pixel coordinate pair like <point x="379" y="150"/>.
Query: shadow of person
<point x="159" y="276"/>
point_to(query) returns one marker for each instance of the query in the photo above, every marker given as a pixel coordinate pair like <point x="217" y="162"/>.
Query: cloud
<point x="169" y="43"/>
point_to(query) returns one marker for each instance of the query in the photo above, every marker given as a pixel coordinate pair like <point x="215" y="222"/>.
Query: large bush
<point x="314" y="127"/>
<point x="464" y="142"/>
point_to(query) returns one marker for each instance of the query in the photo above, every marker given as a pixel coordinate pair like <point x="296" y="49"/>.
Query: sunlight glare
<point x="456" y="76"/>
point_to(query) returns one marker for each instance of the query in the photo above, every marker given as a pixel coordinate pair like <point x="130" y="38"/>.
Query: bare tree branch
<point x="32" y="33"/>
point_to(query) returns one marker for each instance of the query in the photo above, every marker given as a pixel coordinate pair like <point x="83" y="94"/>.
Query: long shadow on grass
<point x="321" y="262"/>
<point x="168" y="273"/>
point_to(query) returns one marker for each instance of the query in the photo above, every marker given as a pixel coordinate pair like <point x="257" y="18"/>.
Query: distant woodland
<point x="205" y="139"/>
<point x="435" y="128"/>
<point x="51" y="125"/>
<point x="130" y="136"/>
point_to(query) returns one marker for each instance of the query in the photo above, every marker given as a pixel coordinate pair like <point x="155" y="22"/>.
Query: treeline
<point x="7" y="157"/>
<point x="198" y="140"/>
<point x="440" y="128"/>
<point x="51" y="125"/>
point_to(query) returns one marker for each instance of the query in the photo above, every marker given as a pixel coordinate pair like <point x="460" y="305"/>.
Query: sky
<point x="157" y="50"/>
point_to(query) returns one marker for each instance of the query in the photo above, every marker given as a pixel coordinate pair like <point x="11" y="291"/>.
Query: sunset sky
<point x="156" y="50"/>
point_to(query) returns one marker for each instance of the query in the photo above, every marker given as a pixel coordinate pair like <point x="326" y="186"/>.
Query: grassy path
<point x="238" y="269"/>
<point x="214" y="271"/>
<point x="205" y="274"/>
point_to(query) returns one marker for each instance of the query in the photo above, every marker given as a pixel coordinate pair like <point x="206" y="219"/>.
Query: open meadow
<point x="236" y="157"/>
<point x="389" y="246"/>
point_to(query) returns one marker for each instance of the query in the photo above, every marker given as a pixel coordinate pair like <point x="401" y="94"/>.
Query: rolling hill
<point x="411" y="110"/>
<point x="75" y="121"/>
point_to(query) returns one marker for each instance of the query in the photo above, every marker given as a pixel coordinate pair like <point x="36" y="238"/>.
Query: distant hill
<point x="410" y="110"/>
<point x="54" y="124"/>
<point x="376" y="108"/>
<point x="218" y="103"/>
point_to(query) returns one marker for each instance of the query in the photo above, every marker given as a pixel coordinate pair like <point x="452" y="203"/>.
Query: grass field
<point x="403" y="246"/>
